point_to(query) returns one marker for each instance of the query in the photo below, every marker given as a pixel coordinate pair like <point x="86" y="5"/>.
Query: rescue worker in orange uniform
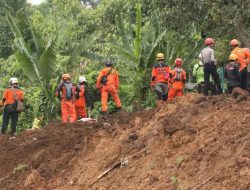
<point x="67" y="92"/>
<point x="243" y="60"/>
<point x="108" y="83"/>
<point x="160" y="77"/>
<point x="178" y="80"/>
<point x="85" y="99"/>
<point x="10" y="95"/>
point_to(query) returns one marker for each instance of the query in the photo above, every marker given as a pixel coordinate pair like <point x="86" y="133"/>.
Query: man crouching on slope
<point x="232" y="75"/>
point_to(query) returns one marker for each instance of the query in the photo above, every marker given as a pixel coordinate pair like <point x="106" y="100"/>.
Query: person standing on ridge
<point x="10" y="97"/>
<point x="178" y="80"/>
<point x="198" y="74"/>
<point x="232" y="73"/>
<point x="160" y="77"/>
<point x="67" y="93"/>
<point x="85" y="99"/>
<point x="209" y="64"/>
<point x="108" y="83"/>
<point x="243" y="60"/>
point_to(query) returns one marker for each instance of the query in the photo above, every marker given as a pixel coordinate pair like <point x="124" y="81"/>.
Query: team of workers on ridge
<point x="166" y="82"/>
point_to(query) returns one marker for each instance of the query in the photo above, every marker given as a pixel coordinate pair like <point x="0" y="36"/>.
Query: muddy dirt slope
<point x="192" y="143"/>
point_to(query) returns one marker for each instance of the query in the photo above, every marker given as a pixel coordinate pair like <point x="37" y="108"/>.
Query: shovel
<point x="190" y="85"/>
<point x="88" y="118"/>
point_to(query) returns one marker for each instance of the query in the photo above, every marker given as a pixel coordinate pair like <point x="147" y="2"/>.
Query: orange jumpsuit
<point x="80" y="104"/>
<point x="177" y="83"/>
<point x="67" y="93"/>
<point x="111" y="87"/>
<point x="243" y="60"/>
<point x="243" y="57"/>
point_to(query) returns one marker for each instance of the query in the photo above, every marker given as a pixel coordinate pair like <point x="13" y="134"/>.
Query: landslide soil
<point x="192" y="143"/>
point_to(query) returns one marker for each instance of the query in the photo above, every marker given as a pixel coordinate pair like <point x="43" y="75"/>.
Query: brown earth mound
<point x="192" y="143"/>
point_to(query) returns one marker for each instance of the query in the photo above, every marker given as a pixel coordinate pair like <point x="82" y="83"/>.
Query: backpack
<point x="178" y="76"/>
<point x="68" y="88"/>
<point x="104" y="79"/>
<point x="18" y="104"/>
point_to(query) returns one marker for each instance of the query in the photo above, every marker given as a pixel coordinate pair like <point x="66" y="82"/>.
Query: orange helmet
<point x="178" y="62"/>
<point x="233" y="57"/>
<point x="209" y="41"/>
<point x="65" y="76"/>
<point x="234" y="42"/>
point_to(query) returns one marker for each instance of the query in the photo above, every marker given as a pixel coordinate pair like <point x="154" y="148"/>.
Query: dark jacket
<point x="87" y="94"/>
<point x="232" y="74"/>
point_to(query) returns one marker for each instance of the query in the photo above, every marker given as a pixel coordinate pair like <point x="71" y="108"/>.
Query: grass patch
<point x="176" y="182"/>
<point x="179" y="160"/>
<point x="19" y="168"/>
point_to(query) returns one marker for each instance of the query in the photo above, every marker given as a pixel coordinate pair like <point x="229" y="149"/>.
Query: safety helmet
<point x="82" y="79"/>
<point x="246" y="50"/>
<point x="13" y="81"/>
<point x="234" y="42"/>
<point x="178" y="62"/>
<point x="209" y="41"/>
<point x="160" y="56"/>
<point x="65" y="76"/>
<point x="233" y="57"/>
<point x="109" y="63"/>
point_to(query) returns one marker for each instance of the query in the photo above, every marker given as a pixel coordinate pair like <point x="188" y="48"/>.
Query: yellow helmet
<point x="233" y="57"/>
<point x="65" y="76"/>
<point x="160" y="56"/>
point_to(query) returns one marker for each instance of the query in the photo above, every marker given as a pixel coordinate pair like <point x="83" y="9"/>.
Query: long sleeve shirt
<point x="207" y="56"/>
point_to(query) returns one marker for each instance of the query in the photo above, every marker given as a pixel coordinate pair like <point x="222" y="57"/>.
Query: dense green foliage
<point x="76" y="36"/>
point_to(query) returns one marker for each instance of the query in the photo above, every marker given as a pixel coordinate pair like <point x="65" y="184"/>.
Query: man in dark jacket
<point x="232" y="73"/>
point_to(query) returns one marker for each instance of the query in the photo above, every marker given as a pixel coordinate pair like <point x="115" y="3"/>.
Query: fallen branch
<point x="4" y="178"/>
<point x="116" y="165"/>
<point x="202" y="183"/>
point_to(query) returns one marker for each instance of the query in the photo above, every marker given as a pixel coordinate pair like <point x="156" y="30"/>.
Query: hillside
<point x="192" y="143"/>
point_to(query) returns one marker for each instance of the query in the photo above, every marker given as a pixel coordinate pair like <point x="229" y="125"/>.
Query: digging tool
<point x="190" y="85"/>
<point x="197" y="187"/>
<point x="120" y="163"/>
<point x="87" y="119"/>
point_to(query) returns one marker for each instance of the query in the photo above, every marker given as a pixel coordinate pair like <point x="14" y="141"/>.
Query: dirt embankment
<point x="193" y="143"/>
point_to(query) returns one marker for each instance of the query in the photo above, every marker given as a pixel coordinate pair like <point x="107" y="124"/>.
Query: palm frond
<point x="123" y="33"/>
<point x="83" y="46"/>
<point x="150" y="55"/>
<point x="26" y="66"/>
<point x="138" y="38"/>
<point x="47" y="61"/>
<point x="93" y="56"/>
<point x="194" y="54"/>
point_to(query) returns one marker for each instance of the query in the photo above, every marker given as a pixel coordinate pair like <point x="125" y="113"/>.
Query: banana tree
<point x="138" y="47"/>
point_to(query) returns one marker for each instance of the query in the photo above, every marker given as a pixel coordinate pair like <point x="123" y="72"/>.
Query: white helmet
<point x="13" y="81"/>
<point x="82" y="79"/>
